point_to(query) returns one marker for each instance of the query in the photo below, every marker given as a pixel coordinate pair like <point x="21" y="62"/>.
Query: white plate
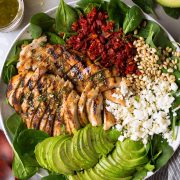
<point x="6" y="110"/>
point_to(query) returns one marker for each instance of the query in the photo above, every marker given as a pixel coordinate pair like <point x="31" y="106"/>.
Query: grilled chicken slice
<point x="109" y="96"/>
<point x="33" y="99"/>
<point x="82" y="105"/>
<point x="109" y="120"/>
<point x="94" y="107"/>
<point x="59" y="119"/>
<point x="70" y="112"/>
<point x="46" y="98"/>
<point x="109" y="83"/>
<point x="14" y="83"/>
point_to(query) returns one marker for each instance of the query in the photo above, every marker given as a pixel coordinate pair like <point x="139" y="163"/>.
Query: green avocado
<point x="109" y="145"/>
<point x="71" y="163"/>
<point x="112" y="167"/>
<point x="169" y="3"/>
<point x="46" y="144"/>
<point x="97" y="142"/>
<point x="88" y="146"/>
<point x="38" y="154"/>
<point x="56" y="157"/>
<point x="86" y="149"/>
<point x="79" y="158"/>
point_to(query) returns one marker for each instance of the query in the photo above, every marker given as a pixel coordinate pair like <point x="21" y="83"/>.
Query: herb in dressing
<point x="8" y="11"/>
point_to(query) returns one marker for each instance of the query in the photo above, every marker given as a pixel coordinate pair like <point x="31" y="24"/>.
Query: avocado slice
<point x="117" y="156"/>
<point x="72" y="164"/>
<point x="86" y="151"/>
<point x="109" y="145"/>
<point x="88" y="147"/>
<point x="102" y="174"/>
<point x="123" y="172"/>
<point x="168" y="3"/>
<point x="38" y="154"/>
<point x="112" y="168"/>
<point x="46" y="144"/>
<point x="97" y="142"/>
<point x="56" y="158"/>
<point x="76" y="151"/>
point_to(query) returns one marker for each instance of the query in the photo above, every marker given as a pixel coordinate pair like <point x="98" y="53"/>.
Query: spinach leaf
<point x="158" y="145"/>
<point x="173" y="12"/>
<point x="36" y="31"/>
<point x="132" y="20"/>
<point x="29" y="138"/>
<point x="13" y="123"/>
<point x="24" y="166"/>
<point x="155" y="35"/>
<point x="55" y="39"/>
<point x="90" y="6"/>
<point x="140" y="174"/>
<point x="65" y="16"/>
<point x="84" y="3"/>
<point x="9" y="68"/>
<point x="40" y="22"/>
<point x="55" y="177"/>
<point x="146" y="6"/>
<point x="117" y="11"/>
<point x="24" y="163"/>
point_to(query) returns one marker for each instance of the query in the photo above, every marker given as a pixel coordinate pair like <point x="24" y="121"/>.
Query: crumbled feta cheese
<point x="174" y="87"/>
<point x="146" y="116"/>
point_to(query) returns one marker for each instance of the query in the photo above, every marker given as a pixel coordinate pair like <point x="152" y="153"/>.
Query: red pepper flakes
<point x="96" y="37"/>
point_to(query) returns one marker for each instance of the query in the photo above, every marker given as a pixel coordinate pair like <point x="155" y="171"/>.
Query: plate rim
<point x="52" y="10"/>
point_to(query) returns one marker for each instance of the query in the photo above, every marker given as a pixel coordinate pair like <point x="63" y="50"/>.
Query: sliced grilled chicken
<point x="94" y="107"/>
<point x="82" y="105"/>
<point x="109" y="83"/>
<point x="109" y="120"/>
<point x="14" y="83"/>
<point x="29" y="82"/>
<point x="109" y="96"/>
<point x="43" y="112"/>
<point x="32" y="100"/>
<point x="70" y="112"/>
<point x="59" y="119"/>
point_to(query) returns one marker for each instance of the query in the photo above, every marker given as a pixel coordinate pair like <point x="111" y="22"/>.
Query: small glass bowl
<point x="17" y="20"/>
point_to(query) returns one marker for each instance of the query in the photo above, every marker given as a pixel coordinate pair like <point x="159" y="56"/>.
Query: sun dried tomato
<point x="96" y="37"/>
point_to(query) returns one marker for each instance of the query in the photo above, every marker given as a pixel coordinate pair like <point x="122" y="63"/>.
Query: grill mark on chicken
<point x="82" y="105"/>
<point x="32" y="101"/>
<point x="94" y="107"/>
<point x="59" y="117"/>
<point x="70" y="112"/>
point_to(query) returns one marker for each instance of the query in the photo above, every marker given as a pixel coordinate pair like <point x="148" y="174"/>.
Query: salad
<point x="95" y="93"/>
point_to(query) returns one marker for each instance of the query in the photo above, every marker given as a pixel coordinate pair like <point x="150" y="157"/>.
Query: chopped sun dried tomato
<point x="96" y="37"/>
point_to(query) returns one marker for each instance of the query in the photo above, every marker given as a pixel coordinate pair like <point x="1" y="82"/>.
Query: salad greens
<point x="132" y="20"/>
<point x="117" y="11"/>
<point x="40" y="22"/>
<point x="55" y="39"/>
<point x="65" y="16"/>
<point x="13" y="123"/>
<point x="146" y="6"/>
<point x="24" y="163"/>
<point x="160" y="151"/>
<point x="155" y="36"/>
<point x="9" y="68"/>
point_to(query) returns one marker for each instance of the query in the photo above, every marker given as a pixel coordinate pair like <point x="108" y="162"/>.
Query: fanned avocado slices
<point x="92" y="154"/>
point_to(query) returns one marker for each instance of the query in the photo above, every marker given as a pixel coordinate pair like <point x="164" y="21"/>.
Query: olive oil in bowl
<point x="11" y="13"/>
